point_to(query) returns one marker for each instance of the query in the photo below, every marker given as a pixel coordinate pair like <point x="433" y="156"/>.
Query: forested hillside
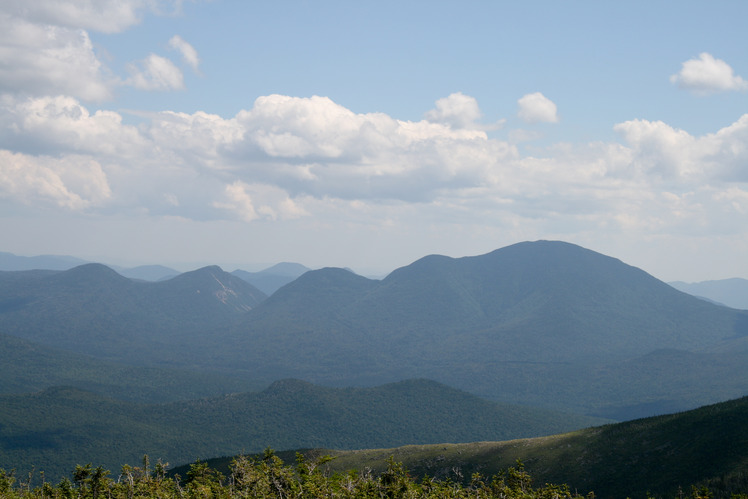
<point x="91" y="309"/>
<point x="30" y="367"/>
<point x="662" y="456"/>
<point x="697" y="454"/>
<point x="60" y="427"/>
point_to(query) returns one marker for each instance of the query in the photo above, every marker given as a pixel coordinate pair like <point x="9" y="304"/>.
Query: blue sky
<point x="369" y="134"/>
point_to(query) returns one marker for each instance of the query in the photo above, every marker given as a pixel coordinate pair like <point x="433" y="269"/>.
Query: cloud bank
<point x="291" y="157"/>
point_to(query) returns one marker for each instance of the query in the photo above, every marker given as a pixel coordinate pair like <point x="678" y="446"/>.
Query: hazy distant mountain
<point x="92" y="309"/>
<point x="9" y="261"/>
<point x="148" y="272"/>
<point x="544" y="323"/>
<point x="60" y="427"/>
<point x="273" y="278"/>
<point x="730" y="292"/>
<point x="510" y="325"/>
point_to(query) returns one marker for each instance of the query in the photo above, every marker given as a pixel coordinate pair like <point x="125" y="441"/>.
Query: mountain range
<point x="267" y="280"/>
<point x="91" y="309"/>
<point x="189" y="366"/>
<point x="542" y="323"/>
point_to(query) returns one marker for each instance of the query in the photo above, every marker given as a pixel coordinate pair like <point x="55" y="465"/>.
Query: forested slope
<point x="60" y="427"/>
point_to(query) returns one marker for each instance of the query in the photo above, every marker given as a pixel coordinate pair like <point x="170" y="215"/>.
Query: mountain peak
<point x="287" y="269"/>
<point x="213" y="281"/>
<point x="90" y="274"/>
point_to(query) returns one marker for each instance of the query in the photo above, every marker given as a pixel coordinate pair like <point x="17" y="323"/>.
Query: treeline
<point x="267" y="476"/>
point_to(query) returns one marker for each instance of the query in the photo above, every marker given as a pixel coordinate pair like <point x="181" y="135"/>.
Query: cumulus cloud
<point x="290" y="157"/>
<point x="458" y="111"/>
<point x="60" y="125"/>
<point x="252" y="201"/>
<point x="73" y="182"/>
<point x="671" y="154"/>
<point x="106" y="16"/>
<point x="318" y="147"/>
<point x="155" y="73"/>
<point x="706" y="74"/>
<point x="189" y="54"/>
<point x="45" y="48"/>
<point x="537" y="108"/>
<point x="46" y="59"/>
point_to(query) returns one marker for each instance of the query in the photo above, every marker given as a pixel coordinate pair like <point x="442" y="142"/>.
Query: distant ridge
<point x="148" y="272"/>
<point x="521" y="323"/>
<point x="730" y="292"/>
<point x="94" y="310"/>
<point x="9" y="261"/>
<point x="272" y="278"/>
<point x="544" y="323"/>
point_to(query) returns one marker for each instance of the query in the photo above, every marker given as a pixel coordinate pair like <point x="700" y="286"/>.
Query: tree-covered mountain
<point x="60" y="427"/>
<point x="540" y="323"/>
<point x="94" y="310"/>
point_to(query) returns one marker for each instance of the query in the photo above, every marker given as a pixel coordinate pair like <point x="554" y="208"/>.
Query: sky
<point x="370" y="134"/>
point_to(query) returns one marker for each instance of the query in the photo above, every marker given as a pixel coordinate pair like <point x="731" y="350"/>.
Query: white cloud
<point x="45" y="48"/>
<point x="61" y="125"/>
<point x="155" y="73"/>
<point x="458" y="111"/>
<point x="661" y="150"/>
<point x="287" y="157"/>
<point x="107" y="16"/>
<point x="45" y="59"/>
<point x="252" y="201"/>
<point x="315" y="146"/>
<point x="73" y="182"/>
<point x="189" y="54"/>
<point x="707" y="75"/>
<point x="537" y="108"/>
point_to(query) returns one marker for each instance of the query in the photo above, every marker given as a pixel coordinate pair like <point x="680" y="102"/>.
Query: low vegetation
<point x="267" y="476"/>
